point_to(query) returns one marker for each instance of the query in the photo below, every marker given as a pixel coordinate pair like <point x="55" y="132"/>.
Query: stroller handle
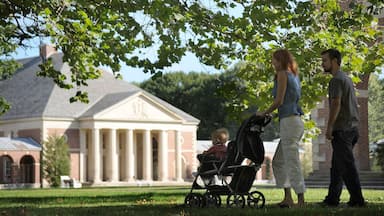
<point x="267" y="119"/>
<point x="262" y="121"/>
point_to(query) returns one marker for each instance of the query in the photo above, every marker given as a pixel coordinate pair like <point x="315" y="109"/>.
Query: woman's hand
<point x="259" y="113"/>
<point x="328" y="133"/>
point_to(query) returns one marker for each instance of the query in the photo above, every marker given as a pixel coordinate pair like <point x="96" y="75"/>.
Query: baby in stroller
<point x="222" y="174"/>
<point x="215" y="154"/>
<point x="218" y="150"/>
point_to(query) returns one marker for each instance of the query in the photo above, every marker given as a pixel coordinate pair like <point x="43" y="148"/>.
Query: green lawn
<point x="162" y="201"/>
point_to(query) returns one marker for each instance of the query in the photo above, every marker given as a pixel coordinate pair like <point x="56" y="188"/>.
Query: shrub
<point x="56" y="161"/>
<point x="380" y="155"/>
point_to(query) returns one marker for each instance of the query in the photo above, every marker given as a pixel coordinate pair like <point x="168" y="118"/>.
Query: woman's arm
<point x="281" y="88"/>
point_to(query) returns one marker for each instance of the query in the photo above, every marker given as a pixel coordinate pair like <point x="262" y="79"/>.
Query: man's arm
<point x="334" y="110"/>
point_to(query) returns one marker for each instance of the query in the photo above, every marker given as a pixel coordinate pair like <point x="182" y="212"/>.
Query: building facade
<point x="123" y="136"/>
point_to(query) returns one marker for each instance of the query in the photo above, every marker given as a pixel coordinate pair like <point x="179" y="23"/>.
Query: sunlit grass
<point x="162" y="201"/>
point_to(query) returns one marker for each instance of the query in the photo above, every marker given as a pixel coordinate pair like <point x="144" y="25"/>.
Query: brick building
<point x="123" y="136"/>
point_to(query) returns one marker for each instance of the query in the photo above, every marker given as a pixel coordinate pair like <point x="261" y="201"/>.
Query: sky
<point x="187" y="64"/>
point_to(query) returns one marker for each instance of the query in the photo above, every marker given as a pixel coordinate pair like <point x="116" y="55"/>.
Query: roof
<point x="13" y="144"/>
<point x="107" y="101"/>
<point x="32" y="96"/>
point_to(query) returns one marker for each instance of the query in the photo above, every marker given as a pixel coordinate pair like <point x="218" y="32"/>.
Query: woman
<point x="286" y="162"/>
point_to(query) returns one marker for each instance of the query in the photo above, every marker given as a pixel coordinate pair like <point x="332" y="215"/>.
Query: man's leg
<point x="350" y="174"/>
<point x="336" y="181"/>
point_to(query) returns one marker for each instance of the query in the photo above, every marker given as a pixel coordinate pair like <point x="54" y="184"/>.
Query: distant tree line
<point x="376" y="108"/>
<point x="201" y="95"/>
<point x="376" y="118"/>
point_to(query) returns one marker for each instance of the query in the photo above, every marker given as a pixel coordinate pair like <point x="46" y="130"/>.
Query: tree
<point x="233" y="90"/>
<point x="379" y="153"/>
<point x="199" y="94"/>
<point x="376" y="108"/>
<point x="150" y="34"/>
<point x="95" y="33"/>
<point x="194" y="93"/>
<point x="305" y="28"/>
<point x="375" y="118"/>
<point x="56" y="161"/>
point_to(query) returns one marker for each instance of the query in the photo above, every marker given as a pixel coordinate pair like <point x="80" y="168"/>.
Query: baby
<point x="218" y="148"/>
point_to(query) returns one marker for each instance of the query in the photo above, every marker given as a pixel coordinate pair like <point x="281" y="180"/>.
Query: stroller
<point x="229" y="177"/>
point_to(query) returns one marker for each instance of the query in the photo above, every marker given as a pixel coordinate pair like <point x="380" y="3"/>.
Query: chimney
<point x="46" y="50"/>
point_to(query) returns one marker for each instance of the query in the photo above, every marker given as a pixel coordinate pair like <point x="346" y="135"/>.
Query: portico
<point x="127" y="155"/>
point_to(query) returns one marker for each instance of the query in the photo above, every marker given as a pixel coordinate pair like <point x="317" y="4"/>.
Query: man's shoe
<point x="357" y="204"/>
<point x="327" y="203"/>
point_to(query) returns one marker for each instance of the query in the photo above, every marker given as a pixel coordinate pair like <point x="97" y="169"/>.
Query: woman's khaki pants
<point x="286" y="161"/>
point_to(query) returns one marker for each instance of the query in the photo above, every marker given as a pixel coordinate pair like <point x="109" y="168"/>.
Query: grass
<point x="162" y="201"/>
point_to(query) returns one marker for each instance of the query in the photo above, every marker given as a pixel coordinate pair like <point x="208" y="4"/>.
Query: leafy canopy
<point x="154" y="34"/>
<point x="149" y="34"/>
<point x="305" y="28"/>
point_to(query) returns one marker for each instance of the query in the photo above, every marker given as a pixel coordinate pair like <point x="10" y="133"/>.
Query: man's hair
<point x="333" y="54"/>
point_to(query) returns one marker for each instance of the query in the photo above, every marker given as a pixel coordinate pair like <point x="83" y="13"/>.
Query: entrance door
<point x="27" y="169"/>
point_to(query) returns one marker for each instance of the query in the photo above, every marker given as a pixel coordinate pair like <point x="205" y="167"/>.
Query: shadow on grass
<point x="169" y="209"/>
<point x="48" y="200"/>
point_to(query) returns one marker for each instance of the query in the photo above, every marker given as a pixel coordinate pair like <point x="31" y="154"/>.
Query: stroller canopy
<point x="248" y="141"/>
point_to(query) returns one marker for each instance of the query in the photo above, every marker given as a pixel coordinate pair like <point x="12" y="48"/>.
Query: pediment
<point x="138" y="107"/>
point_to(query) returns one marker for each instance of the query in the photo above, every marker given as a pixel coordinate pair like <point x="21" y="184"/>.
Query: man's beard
<point x="327" y="70"/>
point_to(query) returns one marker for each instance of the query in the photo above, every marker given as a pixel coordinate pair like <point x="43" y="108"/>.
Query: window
<point x="7" y="169"/>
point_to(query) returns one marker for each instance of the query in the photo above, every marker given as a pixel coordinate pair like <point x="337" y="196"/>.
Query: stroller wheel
<point x="193" y="200"/>
<point x="235" y="201"/>
<point x="211" y="200"/>
<point x="256" y="199"/>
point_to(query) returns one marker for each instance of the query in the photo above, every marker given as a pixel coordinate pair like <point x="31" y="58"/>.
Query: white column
<point x="178" y="156"/>
<point x="259" y="173"/>
<point x="96" y="155"/>
<point x="82" y="163"/>
<point x="43" y="136"/>
<point x="129" y="156"/>
<point x="8" y="134"/>
<point x="194" y="155"/>
<point x="163" y="156"/>
<point x="113" y="156"/>
<point x="147" y="157"/>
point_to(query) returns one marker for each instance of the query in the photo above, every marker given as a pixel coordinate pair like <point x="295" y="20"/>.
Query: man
<point x="342" y="130"/>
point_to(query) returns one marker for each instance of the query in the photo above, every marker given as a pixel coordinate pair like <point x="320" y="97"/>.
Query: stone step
<point x="368" y="179"/>
<point x="360" y="177"/>
<point x="361" y="174"/>
<point x="376" y="187"/>
<point x="325" y="183"/>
